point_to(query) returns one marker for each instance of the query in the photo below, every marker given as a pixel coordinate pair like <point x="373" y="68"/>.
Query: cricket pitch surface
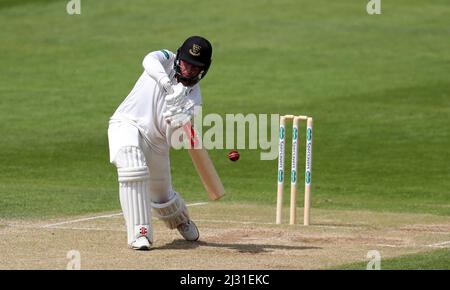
<point x="232" y="236"/>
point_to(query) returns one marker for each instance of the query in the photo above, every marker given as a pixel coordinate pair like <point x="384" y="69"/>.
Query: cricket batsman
<point x="139" y="134"/>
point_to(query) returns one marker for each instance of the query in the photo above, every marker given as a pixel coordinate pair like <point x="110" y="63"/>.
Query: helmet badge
<point x="195" y="50"/>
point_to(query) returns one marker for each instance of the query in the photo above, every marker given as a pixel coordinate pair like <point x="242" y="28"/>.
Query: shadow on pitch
<point x="241" y="248"/>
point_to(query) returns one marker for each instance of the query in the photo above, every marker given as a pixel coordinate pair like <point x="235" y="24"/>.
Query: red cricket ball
<point x="234" y="155"/>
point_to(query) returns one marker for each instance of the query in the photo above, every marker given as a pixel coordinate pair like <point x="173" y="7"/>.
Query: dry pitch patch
<point x="231" y="237"/>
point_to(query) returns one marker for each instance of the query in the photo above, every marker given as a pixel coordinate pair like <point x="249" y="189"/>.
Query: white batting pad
<point x="160" y="180"/>
<point x="134" y="192"/>
<point x="172" y="213"/>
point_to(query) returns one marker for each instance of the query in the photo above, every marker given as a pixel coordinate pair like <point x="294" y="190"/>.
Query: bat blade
<point x="204" y="166"/>
<point x="208" y="174"/>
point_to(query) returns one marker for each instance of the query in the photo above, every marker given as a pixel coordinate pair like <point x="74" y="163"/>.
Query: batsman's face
<point x="188" y="70"/>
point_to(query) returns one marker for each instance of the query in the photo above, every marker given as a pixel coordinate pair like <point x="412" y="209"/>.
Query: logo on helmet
<point x="195" y="50"/>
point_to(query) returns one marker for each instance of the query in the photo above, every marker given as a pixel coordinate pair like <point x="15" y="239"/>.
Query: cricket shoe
<point x="189" y="231"/>
<point x="141" y="244"/>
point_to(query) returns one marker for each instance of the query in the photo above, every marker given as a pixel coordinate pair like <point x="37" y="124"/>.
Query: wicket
<point x="294" y="159"/>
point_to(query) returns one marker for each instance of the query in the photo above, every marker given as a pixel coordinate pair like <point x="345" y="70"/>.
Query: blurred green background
<point x="377" y="86"/>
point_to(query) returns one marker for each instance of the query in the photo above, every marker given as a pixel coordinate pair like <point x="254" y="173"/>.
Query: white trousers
<point x="144" y="180"/>
<point x="123" y="134"/>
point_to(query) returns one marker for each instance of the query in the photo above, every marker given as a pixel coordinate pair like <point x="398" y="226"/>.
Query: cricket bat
<point x="204" y="166"/>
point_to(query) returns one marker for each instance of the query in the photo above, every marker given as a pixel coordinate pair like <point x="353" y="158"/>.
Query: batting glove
<point x="179" y="109"/>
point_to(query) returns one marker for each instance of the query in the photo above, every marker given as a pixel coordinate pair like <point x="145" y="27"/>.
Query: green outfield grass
<point x="377" y="86"/>
<point x="434" y="260"/>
